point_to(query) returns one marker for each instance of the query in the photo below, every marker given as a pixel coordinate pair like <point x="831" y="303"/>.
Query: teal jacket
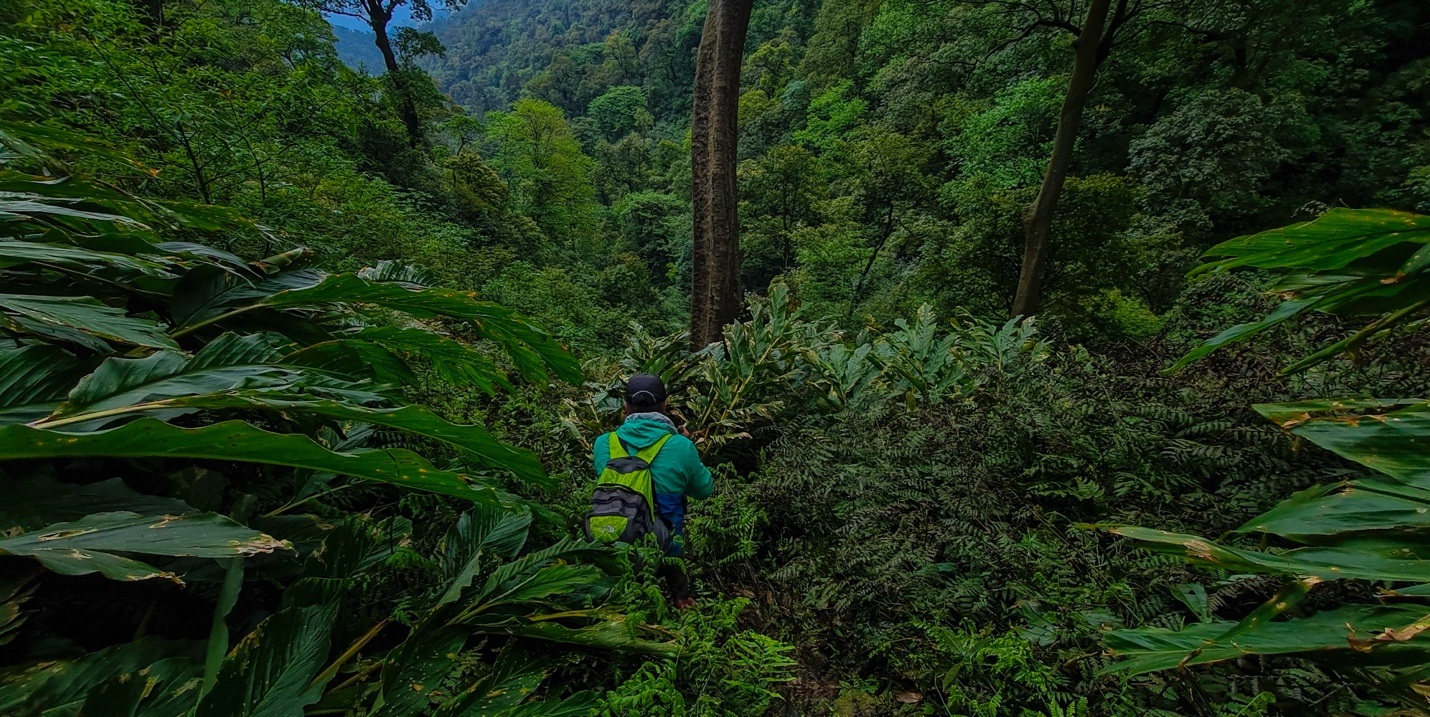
<point x="676" y="470"/>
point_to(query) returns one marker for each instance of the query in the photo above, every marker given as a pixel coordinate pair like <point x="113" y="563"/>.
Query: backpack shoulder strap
<point x="618" y="449"/>
<point x="648" y="453"/>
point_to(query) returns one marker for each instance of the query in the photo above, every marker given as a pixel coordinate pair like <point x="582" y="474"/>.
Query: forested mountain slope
<point x="889" y="145"/>
<point x="301" y="367"/>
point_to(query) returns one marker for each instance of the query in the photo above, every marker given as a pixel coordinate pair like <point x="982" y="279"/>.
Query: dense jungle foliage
<point x="296" y="404"/>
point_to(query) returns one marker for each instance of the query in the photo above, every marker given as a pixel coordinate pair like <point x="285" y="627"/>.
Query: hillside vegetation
<point x="300" y="365"/>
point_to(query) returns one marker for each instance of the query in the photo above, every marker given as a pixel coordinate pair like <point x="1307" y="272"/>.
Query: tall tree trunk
<point x="1038" y="218"/>
<point x="714" y="134"/>
<point x="378" y="19"/>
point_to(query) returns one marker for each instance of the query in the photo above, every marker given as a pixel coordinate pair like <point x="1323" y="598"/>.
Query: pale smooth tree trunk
<point x="1038" y="218"/>
<point x="714" y="134"/>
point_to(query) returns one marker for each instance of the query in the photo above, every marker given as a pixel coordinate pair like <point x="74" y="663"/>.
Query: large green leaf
<point x="239" y="441"/>
<point x="86" y="315"/>
<point x="34" y="501"/>
<point x="486" y="533"/>
<point x="17" y="253"/>
<point x="88" y="545"/>
<point x="453" y="361"/>
<point x="471" y="438"/>
<point x="1384" y="634"/>
<point x="36" y="374"/>
<point x="270" y="672"/>
<point x="1353" y="507"/>
<point x="1333" y="241"/>
<point x="533" y="351"/>
<point x="1396" y="443"/>
<point x="511" y="680"/>
<point x="613" y="632"/>
<point x="413" y="674"/>
<point x="32" y="689"/>
<point x="1365" y="558"/>
<point x="1242" y="332"/>
<point x="167" y="688"/>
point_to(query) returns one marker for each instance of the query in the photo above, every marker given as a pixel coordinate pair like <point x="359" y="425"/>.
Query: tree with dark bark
<point x="377" y="14"/>
<point x="714" y="134"/>
<point x="1093" y="40"/>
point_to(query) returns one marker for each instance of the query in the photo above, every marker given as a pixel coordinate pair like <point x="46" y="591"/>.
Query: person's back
<point x="676" y="470"/>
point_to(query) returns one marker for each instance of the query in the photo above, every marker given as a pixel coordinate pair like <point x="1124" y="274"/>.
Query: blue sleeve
<point x="698" y="481"/>
<point x="601" y="452"/>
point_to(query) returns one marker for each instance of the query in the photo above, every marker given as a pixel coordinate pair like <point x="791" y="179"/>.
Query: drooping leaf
<point x="607" y="634"/>
<point x="167" y="688"/>
<point x="470" y="438"/>
<point x="88" y="545"/>
<point x="35" y="374"/>
<point x="512" y="679"/>
<point x="355" y="358"/>
<point x="452" y="361"/>
<point x="1241" y="332"/>
<point x="1365" y="559"/>
<point x="239" y="441"/>
<point x="84" y="314"/>
<point x="533" y="352"/>
<point x="268" y="674"/>
<point x="34" y="501"/>
<point x="485" y="533"/>
<point x="17" y="253"/>
<point x="412" y="677"/>
<point x="1396" y="443"/>
<point x="29" y="690"/>
<point x="1333" y="241"/>
<point x="1373" y="633"/>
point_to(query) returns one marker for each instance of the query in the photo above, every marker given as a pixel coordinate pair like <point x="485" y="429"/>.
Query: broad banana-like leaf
<point x="577" y="705"/>
<point x="236" y="372"/>
<point x="15" y="590"/>
<point x="34" y="374"/>
<point x="239" y="441"/>
<point x="17" y="253"/>
<point x="412" y="676"/>
<point x="453" y="362"/>
<point x="357" y="359"/>
<point x="167" y="688"/>
<point x="470" y="438"/>
<point x="533" y="352"/>
<point x="34" y="689"/>
<point x="356" y="546"/>
<point x="510" y="576"/>
<point x="1347" y="262"/>
<point x="1354" y="507"/>
<point x="536" y="587"/>
<point x="270" y="672"/>
<point x="348" y="551"/>
<point x="486" y="533"/>
<point x="1364" y="558"/>
<point x="1242" y="332"/>
<point x="88" y="545"/>
<point x="1382" y="634"/>
<point x="1334" y="240"/>
<point x="88" y="316"/>
<point x="513" y="678"/>
<point x="1395" y="443"/>
<point x="613" y="633"/>
<point x="35" y="501"/>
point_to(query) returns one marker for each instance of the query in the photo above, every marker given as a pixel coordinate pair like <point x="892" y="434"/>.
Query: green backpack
<point x="623" y="504"/>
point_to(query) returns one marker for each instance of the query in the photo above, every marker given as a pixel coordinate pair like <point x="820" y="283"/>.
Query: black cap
<point x="645" y="391"/>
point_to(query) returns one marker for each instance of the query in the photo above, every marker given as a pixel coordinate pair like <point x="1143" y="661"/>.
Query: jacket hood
<point x="643" y="430"/>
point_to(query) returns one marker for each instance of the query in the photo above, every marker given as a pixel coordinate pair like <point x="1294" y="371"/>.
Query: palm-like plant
<point x="127" y="350"/>
<point x="1372" y="264"/>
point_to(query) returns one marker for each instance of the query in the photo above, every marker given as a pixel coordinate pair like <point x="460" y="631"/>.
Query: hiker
<point x="654" y="460"/>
